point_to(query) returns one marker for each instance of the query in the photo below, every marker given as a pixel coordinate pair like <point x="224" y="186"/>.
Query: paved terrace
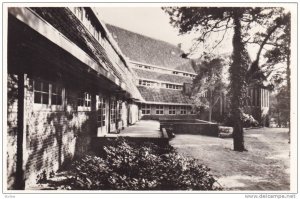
<point x="141" y="129"/>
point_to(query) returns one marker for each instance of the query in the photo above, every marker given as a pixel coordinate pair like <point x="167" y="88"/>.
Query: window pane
<point x="37" y="97"/>
<point x="45" y="87"/>
<point x="37" y="85"/>
<point x="59" y="100"/>
<point x="45" y="99"/>
<point x="53" y="100"/>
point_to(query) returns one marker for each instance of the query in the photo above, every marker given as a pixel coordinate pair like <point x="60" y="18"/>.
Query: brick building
<point x="67" y="82"/>
<point x="164" y="77"/>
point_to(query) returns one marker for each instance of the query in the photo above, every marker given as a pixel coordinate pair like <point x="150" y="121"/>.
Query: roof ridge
<point x="173" y="45"/>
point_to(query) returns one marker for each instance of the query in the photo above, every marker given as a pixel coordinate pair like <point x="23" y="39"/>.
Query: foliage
<point x="247" y="119"/>
<point x="146" y="166"/>
<point x="207" y="21"/>
<point x="280" y="107"/>
<point x="210" y="82"/>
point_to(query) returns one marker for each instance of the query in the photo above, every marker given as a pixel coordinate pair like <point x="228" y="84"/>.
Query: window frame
<point x="146" y="109"/>
<point x="49" y="105"/>
<point x="159" y="110"/>
<point x="172" y="110"/>
<point x="86" y="98"/>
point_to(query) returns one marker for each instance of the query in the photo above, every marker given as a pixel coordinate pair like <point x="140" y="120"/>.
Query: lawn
<point x="265" y="166"/>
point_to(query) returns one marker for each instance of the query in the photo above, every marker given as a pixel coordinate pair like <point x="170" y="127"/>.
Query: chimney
<point x="187" y="88"/>
<point x="179" y="45"/>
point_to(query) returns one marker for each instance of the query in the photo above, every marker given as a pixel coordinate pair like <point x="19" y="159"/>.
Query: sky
<point x="153" y="22"/>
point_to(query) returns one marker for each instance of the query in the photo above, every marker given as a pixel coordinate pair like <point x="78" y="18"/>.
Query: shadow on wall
<point x="12" y="113"/>
<point x="54" y="140"/>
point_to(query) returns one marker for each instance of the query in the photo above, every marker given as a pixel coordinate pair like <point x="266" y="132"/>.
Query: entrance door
<point x="102" y="119"/>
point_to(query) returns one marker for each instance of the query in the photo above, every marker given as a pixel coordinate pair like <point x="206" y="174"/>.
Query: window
<point x="147" y="83"/>
<point x="173" y="86"/>
<point x="119" y="108"/>
<point x="101" y="116"/>
<point x="47" y="93"/>
<point x="183" y="110"/>
<point x="159" y="110"/>
<point x="84" y="100"/>
<point x="113" y="112"/>
<point x="56" y="95"/>
<point x="146" y="109"/>
<point x="172" y="110"/>
<point x="41" y="92"/>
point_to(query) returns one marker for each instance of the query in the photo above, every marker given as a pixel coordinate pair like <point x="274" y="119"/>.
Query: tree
<point x="209" y="20"/>
<point x="210" y="83"/>
<point x="280" y="108"/>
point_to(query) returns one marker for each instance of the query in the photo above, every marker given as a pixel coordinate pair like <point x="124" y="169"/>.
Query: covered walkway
<point x="141" y="129"/>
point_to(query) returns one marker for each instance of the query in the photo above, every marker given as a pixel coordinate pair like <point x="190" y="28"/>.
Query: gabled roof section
<point x="147" y="50"/>
<point x="161" y="95"/>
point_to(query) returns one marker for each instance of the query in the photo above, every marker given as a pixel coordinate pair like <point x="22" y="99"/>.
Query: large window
<point x="47" y="93"/>
<point x="173" y="86"/>
<point x="159" y="110"/>
<point x="172" y="110"/>
<point x="56" y="95"/>
<point x="183" y="110"/>
<point x="41" y="92"/>
<point x="84" y="99"/>
<point x="101" y="116"/>
<point x="146" y="109"/>
<point x="113" y="109"/>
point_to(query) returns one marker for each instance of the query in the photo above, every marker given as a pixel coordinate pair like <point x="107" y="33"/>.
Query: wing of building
<point x="164" y="77"/>
<point x="67" y="82"/>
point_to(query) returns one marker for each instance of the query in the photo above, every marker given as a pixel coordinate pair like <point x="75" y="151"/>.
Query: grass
<point x="265" y="166"/>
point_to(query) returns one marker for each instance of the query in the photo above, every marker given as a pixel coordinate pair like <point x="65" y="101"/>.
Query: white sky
<point x="150" y="21"/>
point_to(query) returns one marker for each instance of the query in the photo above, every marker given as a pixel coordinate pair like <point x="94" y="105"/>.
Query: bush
<point x="145" y="166"/>
<point x="248" y="121"/>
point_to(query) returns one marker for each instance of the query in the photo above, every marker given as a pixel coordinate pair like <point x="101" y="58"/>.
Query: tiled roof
<point x="147" y="50"/>
<point x="163" y="95"/>
<point x="66" y="23"/>
<point x="148" y="74"/>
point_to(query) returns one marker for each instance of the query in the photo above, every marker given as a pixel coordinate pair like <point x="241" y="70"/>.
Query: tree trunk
<point x="209" y="114"/>
<point x="237" y="76"/>
<point x="288" y="73"/>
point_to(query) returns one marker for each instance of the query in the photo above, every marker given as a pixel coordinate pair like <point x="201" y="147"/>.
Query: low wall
<point x="200" y="127"/>
<point x="171" y="117"/>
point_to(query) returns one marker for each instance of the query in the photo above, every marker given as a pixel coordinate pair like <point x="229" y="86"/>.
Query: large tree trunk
<point x="237" y="75"/>
<point x="288" y="71"/>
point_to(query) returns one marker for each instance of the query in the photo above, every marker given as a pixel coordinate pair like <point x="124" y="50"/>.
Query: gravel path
<point x="265" y="166"/>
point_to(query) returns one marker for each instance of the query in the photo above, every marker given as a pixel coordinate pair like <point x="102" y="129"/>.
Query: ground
<point x="265" y="166"/>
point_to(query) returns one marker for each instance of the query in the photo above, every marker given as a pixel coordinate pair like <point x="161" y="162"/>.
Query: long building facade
<point x="67" y="82"/>
<point x="164" y="77"/>
<point x="71" y="78"/>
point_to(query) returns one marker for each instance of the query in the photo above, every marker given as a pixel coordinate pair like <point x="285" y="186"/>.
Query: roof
<point x="67" y="24"/>
<point x="148" y="74"/>
<point x="162" y="95"/>
<point x="147" y="50"/>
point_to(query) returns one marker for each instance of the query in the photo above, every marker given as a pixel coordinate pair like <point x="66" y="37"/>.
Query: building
<point x="164" y="76"/>
<point x="67" y="82"/>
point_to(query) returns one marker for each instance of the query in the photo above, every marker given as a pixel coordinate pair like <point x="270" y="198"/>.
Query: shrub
<point x="248" y="121"/>
<point x="144" y="166"/>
